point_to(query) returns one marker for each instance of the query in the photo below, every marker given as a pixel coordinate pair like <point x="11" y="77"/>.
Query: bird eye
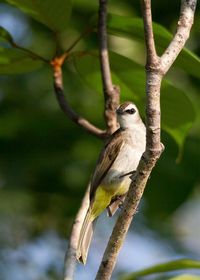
<point x="130" y="111"/>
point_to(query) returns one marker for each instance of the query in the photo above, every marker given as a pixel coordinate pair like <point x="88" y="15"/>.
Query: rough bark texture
<point x="111" y="92"/>
<point x="111" y="96"/>
<point x="156" y="67"/>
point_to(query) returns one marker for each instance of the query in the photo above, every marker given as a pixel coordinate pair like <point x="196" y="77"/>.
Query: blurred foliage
<point x="46" y="161"/>
<point x="185" y="277"/>
<point x="164" y="267"/>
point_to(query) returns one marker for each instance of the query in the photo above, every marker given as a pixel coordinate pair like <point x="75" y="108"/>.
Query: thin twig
<point x="82" y="35"/>
<point x="59" y="91"/>
<point x="104" y="57"/>
<point x="153" y="147"/>
<point x="29" y="52"/>
<point x="111" y="92"/>
<point x="182" y="34"/>
<point x="148" y="32"/>
<point x="70" y="257"/>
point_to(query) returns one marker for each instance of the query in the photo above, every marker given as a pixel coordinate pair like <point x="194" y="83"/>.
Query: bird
<point x="110" y="181"/>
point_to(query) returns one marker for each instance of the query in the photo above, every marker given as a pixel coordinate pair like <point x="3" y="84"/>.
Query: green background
<point x="46" y="160"/>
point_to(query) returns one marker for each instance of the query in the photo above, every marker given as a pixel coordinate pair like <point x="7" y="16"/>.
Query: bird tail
<point x="85" y="238"/>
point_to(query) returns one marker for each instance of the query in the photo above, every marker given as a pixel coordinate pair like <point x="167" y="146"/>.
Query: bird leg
<point x="116" y="202"/>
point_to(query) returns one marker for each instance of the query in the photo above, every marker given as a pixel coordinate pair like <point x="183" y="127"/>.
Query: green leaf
<point x="5" y="35"/>
<point x="16" y="62"/>
<point x="185" y="277"/>
<point x="165" y="267"/>
<point x="176" y="108"/>
<point x="133" y="28"/>
<point x="54" y="14"/>
<point x="177" y="112"/>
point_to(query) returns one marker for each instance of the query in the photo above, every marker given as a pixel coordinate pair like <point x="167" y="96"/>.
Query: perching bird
<point x="110" y="181"/>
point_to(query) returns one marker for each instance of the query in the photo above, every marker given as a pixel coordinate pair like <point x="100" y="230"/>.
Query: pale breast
<point x="126" y="161"/>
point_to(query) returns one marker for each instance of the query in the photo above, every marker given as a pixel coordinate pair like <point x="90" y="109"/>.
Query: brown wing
<point x="106" y="159"/>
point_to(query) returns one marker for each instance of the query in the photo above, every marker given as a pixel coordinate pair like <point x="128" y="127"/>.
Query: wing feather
<point x="106" y="159"/>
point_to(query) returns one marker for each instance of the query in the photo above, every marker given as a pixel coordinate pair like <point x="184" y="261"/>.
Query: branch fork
<point x="156" y="68"/>
<point x="111" y="97"/>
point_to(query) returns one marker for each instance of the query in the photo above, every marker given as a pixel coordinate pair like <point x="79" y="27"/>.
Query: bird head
<point x="128" y="115"/>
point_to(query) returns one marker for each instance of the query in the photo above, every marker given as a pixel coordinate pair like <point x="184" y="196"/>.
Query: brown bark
<point x="64" y="105"/>
<point x="156" y="67"/>
<point x="111" y="92"/>
<point x="111" y="97"/>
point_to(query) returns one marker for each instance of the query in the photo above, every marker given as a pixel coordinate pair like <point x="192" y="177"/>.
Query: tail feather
<point x="85" y="238"/>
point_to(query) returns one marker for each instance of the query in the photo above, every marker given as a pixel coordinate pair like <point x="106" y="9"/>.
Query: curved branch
<point x="70" y="256"/>
<point x="184" y="26"/>
<point x="154" y="147"/>
<point x="59" y="91"/>
<point x="111" y="92"/>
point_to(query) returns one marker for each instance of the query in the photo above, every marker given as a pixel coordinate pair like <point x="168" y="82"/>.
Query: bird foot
<point x="121" y="206"/>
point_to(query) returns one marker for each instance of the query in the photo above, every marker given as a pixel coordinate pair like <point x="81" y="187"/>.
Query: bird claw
<point x="121" y="206"/>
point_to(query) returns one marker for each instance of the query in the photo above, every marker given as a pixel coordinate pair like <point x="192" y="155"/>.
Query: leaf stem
<point x="84" y="34"/>
<point x="31" y="53"/>
<point x="154" y="148"/>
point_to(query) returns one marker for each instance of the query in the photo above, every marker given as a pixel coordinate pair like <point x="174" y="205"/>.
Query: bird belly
<point x="101" y="201"/>
<point x="114" y="183"/>
<point x="126" y="162"/>
<point x="104" y="195"/>
<point x="118" y="186"/>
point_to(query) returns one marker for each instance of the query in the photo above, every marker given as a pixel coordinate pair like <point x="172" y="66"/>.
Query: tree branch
<point x="182" y="34"/>
<point x="111" y="92"/>
<point x="70" y="257"/>
<point x="154" y="75"/>
<point x="111" y="96"/>
<point x="148" y="32"/>
<point x="59" y="91"/>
